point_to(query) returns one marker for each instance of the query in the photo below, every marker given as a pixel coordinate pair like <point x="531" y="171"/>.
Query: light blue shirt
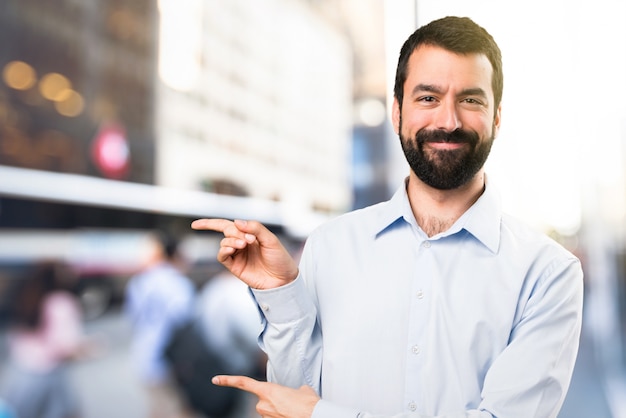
<point x="482" y="320"/>
<point x="157" y="300"/>
<point x="230" y="323"/>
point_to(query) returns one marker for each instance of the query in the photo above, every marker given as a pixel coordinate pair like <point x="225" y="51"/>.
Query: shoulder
<point x="519" y="240"/>
<point x="516" y="230"/>
<point x="362" y="220"/>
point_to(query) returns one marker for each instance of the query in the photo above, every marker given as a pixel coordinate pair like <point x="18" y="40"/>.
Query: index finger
<point x="240" y="382"/>
<point x="218" y="225"/>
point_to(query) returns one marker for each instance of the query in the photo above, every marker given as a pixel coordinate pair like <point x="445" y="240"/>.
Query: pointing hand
<point x="252" y="253"/>
<point x="275" y="401"/>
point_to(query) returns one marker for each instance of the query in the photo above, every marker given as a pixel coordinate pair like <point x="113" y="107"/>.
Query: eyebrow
<point x="426" y="88"/>
<point x="430" y="88"/>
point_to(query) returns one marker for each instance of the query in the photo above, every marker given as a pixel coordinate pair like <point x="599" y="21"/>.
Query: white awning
<point x="93" y="191"/>
<point x="85" y="190"/>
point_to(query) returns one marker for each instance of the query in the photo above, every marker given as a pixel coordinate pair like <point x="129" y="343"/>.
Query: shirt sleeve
<point x="291" y="335"/>
<point x="532" y="374"/>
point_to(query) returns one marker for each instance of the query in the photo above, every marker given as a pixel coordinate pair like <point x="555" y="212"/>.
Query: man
<point x="435" y="303"/>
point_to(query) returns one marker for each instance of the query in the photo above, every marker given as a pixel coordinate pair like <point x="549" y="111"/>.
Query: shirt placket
<point x="416" y="354"/>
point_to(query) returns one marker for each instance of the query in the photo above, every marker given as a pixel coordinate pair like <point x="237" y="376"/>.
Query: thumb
<point x="255" y="229"/>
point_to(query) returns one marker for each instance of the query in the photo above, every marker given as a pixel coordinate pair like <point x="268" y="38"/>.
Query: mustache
<point x="458" y="136"/>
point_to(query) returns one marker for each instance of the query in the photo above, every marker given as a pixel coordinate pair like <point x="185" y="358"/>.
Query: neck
<point x="437" y="210"/>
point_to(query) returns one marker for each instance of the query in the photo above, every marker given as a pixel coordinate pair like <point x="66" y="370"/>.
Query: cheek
<point x="484" y="125"/>
<point x="410" y="124"/>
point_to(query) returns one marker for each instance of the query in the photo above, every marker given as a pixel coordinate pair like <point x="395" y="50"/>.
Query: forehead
<point x="439" y="67"/>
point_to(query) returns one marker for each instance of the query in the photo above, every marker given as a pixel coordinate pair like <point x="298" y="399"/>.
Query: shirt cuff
<point x="325" y="409"/>
<point x="285" y="304"/>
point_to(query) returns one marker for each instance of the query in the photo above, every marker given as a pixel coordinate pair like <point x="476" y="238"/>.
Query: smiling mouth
<point x="445" y="145"/>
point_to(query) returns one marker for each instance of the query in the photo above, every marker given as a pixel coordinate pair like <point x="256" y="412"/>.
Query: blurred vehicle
<point x="103" y="260"/>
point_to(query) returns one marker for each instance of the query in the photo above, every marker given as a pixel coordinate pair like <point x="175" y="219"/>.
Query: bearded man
<point x="434" y="303"/>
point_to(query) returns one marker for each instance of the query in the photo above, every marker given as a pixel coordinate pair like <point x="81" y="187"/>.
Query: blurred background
<point x="122" y="117"/>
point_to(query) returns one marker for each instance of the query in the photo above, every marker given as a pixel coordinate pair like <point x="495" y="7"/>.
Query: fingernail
<point x="250" y="238"/>
<point x="215" y="380"/>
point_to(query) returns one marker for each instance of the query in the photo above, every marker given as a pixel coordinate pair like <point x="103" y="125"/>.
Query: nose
<point x="447" y="117"/>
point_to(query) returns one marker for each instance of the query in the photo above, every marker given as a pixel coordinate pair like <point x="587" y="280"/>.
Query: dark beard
<point x="446" y="169"/>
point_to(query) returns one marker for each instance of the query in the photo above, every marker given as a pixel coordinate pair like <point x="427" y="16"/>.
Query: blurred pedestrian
<point x="45" y="334"/>
<point x="159" y="299"/>
<point x="231" y="324"/>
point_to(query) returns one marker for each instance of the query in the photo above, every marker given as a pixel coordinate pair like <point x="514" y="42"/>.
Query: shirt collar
<point x="394" y="210"/>
<point x="482" y="219"/>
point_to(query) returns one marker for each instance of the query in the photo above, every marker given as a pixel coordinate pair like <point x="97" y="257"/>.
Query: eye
<point x="427" y="99"/>
<point x="473" y="101"/>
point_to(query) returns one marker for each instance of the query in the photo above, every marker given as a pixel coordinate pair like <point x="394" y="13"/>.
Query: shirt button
<point x="420" y="294"/>
<point x="415" y="349"/>
<point x="426" y="244"/>
<point x="265" y="307"/>
<point x="412" y="406"/>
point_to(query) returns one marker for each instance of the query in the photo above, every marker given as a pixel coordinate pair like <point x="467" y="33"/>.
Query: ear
<point x="496" y="121"/>
<point x="395" y="115"/>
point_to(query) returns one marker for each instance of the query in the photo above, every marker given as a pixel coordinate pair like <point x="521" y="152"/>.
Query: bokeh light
<point x="54" y="86"/>
<point x="19" y="75"/>
<point x="70" y="103"/>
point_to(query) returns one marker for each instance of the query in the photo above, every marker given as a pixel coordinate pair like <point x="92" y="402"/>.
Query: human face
<point x="447" y="121"/>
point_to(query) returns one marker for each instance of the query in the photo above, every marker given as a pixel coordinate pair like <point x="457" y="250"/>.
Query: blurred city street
<point x="106" y="384"/>
<point x="109" y="389"/>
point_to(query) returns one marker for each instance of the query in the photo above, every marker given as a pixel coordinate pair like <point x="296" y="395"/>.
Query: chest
<point x="397" y="291"/>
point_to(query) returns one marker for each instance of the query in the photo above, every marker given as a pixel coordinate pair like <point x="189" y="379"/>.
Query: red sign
<point x="110" y="151"/>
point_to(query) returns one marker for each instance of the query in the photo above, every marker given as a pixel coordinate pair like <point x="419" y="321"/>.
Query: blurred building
<point x="223" y="97"/>
<point x="77" y="91"/>
<point x="257" y="95"/>
<point x="375" y="30"/>
<point x="121" y="116"/>
<point x="76" y="97"/>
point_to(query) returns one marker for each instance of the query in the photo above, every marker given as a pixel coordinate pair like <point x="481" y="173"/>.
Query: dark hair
<point x="456" y="34"/>
<point x="169" y="243"/>
<point x="31" y="290"/>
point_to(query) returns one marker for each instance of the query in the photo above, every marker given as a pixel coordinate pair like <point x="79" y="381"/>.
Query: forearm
<point x="291" y="336"/>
